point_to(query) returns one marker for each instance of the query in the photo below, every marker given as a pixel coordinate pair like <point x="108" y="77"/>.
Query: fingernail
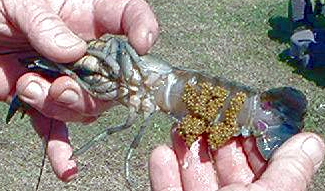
<point x="314" y="149"/>
<point x="70" y="174"/>
<point x="68" y="97"/>
<point x="33" y="90"/>
<point x="66" y="40"/>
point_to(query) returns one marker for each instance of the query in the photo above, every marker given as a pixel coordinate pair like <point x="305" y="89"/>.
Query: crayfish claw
<point x="15" y="105"/>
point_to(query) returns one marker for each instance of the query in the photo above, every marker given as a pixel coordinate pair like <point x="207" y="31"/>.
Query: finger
<point x="67" y="92"/>
<point x="131" y="17"/>
<point x="163" y="170"/>
<point x="294" y="163"/>
<point x="33" y="89"/>
<point x="254" y="158"/>
<point x="197" y="171"/>
<point x="232" y="165"/>
<point x="46" y="32"/>
<point x="59" y="150"/>
<point x="10" y="71"/>
<point x="140" y="24"/>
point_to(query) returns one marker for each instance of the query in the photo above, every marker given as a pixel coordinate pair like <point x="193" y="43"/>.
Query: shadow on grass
<point x="282" y="29"/>
<point x="316" y="75"/>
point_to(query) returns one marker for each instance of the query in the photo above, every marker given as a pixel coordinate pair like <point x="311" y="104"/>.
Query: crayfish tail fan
<point x="289" y="107"/>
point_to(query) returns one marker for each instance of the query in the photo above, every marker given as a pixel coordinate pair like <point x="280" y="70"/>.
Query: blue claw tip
<point x="15" y="105"/>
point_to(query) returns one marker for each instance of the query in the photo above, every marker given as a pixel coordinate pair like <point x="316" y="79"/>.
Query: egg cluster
<point x="205" y="103"/>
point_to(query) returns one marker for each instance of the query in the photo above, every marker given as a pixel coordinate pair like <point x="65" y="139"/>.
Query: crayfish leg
<point x="133" y="146"/>
<point x="126" y="63"/>
<point x="108" y="131"/>
<point x="136" y="58"/>
<point x="106" y="50"/>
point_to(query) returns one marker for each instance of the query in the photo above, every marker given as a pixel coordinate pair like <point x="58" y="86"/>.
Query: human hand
<point x="50" y="27"/>
<point x="235" y="166"/>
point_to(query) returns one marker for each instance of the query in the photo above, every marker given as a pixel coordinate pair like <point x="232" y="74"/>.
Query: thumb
<point x="294" y="163"/>
<point x="47" y="33"/>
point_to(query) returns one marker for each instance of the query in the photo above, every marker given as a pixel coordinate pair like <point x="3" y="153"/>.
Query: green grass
<point x="225" y="38"/>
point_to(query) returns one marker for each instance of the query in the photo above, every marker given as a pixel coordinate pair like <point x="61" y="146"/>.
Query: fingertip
<point x="133" y="18"/>
<point x="311" y="145"/>
<point x="162" y="155"/>
<point x="315" y="150"/>
<point x="59" y="152"/>
<point x="142" y="38"/>
<point x="164" y="170"/>
<point x="196" y="167"/>
<point x="32" y="89"/>
<point x="296" y="161"/>
<point x="66" y="92"/>
<point x="232" y="165"/>
<point x="69" y="174"/>
<point x="198" y="151"/>
<point x="140" y="25"/>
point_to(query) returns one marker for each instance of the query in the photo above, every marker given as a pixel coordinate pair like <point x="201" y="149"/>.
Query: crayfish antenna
<point x="45" y="143"/>
<point x="16" y="51"/>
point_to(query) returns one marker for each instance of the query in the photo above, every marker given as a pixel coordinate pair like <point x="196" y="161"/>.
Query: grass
<point x="225" y="38"/>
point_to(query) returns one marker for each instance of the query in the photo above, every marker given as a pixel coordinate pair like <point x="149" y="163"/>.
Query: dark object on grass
<point x="308" y="40"/>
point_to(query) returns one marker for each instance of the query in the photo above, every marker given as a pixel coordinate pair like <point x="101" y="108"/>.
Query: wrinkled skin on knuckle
<point x="17" y="16"/>
<point x="9" y="74"/>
